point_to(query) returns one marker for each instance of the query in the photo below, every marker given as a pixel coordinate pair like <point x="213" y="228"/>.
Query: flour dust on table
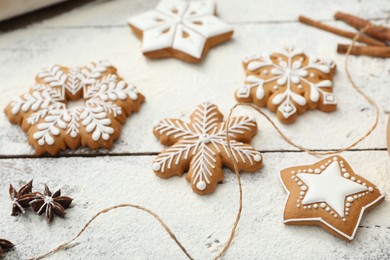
<point x="288" y="82"/>
<point x="182" y="29"/>
<point x="201" y="147"/>
<point x="52" y="126"/>
<point x="328" y="194"/>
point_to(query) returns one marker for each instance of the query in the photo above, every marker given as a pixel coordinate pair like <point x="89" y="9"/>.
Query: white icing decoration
<point x="184" y="26"/>
<point x="286" y="74"/>
<point x="47" y="101"/>
<point x="196" y="139"/>
<point x="330" y="187"/>
<point x="201" y="185"/>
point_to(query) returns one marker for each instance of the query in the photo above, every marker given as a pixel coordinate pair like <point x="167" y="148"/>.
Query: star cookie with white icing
<point x="52" y="125"/>
<point x="328" y="194"/>
<point x="288" y="82"/>
<point x="179" y="28"/>
<point x="200" y="147"/>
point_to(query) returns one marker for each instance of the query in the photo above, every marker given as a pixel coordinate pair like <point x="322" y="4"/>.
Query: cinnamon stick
<point x="377" y="31"/>
<point x="373" y="51"/>
<point x="343" y="33"/>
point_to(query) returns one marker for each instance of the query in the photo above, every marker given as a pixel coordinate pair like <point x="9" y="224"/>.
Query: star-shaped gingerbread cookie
<point x="200" y="147"/>
<point x="328" y="194"/>
<point x="183" y="29"/>
<point x="288" y="82"/>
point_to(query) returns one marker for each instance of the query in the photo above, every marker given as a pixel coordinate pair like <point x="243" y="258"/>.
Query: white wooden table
<point x="172" y="88"/>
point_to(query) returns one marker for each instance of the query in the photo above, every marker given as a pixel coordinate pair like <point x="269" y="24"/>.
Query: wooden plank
<point x="12" y="8"/>
<point x="232" y="11"/>
<point x="201" y="223"/>
<point x="174" y="88"/>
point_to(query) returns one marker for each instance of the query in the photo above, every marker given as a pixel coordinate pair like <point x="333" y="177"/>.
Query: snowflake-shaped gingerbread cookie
<point x="288" y="82"/>
<point x="179" y="28"/>
<point x="51" y="126"/>
<point x="200" y="147"/>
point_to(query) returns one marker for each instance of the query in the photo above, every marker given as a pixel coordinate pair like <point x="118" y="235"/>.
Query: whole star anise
<point x="4" y="246"/>
<point x="50" y="204"/>
<point x="21" y="199"/>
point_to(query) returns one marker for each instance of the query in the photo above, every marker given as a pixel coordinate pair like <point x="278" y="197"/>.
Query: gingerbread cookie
<point x="51" y="126"/>
<point x="182" y="29"/>
<point x="200" y="147"/>
<point x="288" y="82"/>
<point x="328" y="194"/>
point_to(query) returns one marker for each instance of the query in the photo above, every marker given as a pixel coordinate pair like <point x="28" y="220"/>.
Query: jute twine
<point x="236" y="171"/>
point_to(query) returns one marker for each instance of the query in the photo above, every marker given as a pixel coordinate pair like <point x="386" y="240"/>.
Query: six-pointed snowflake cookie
<point x="288" y="82"/>
<point x="51" y="126"/>
<point x="179" y="28"/>
<point x="328" y="194"/>
<point x="200" y="147"/>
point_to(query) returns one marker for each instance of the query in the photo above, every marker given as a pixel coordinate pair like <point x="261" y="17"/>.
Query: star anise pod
<point x="50" y="204"/>
<point x="21" y="199"/>
<point x="4" y="246"/>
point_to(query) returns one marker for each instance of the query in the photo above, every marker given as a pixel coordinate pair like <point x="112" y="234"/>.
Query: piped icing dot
<point x="365" y="184"/>
<point x="355" y="197"/>
<point x="257" y="158"/>
<point x="302" y="193"/>
<point x="322" y="205"/>
<point x="344" y="219"/>
<point x="299" y="183"/>
<point x="327" y="209"/>
<point x="292" y="172"/>
<point x="335" y="158"/>
<point x="344" y="170"/>
<point x="315" y="206"/>
<point x="204" y="138"/>
<point x="322" y="167"/>
<point x="317" y="170"/>
<point x="310" y="170"/>
<point x="303" y="187"/>
<point x="346" y="175"/>
<point x="353" y="178"/>
<point x="309" y="207"/>
<point x="370" y="189"/>
<point x="298" y="205"/>
<point x="296" y="179"/>
<point x="156" y="166"/>
<point x="335" y="215"/>
<point x="201" y="185"/>
<point x="350" y="199"/>
<point x="348" y="204"/>
<point x="305" y="207"/>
